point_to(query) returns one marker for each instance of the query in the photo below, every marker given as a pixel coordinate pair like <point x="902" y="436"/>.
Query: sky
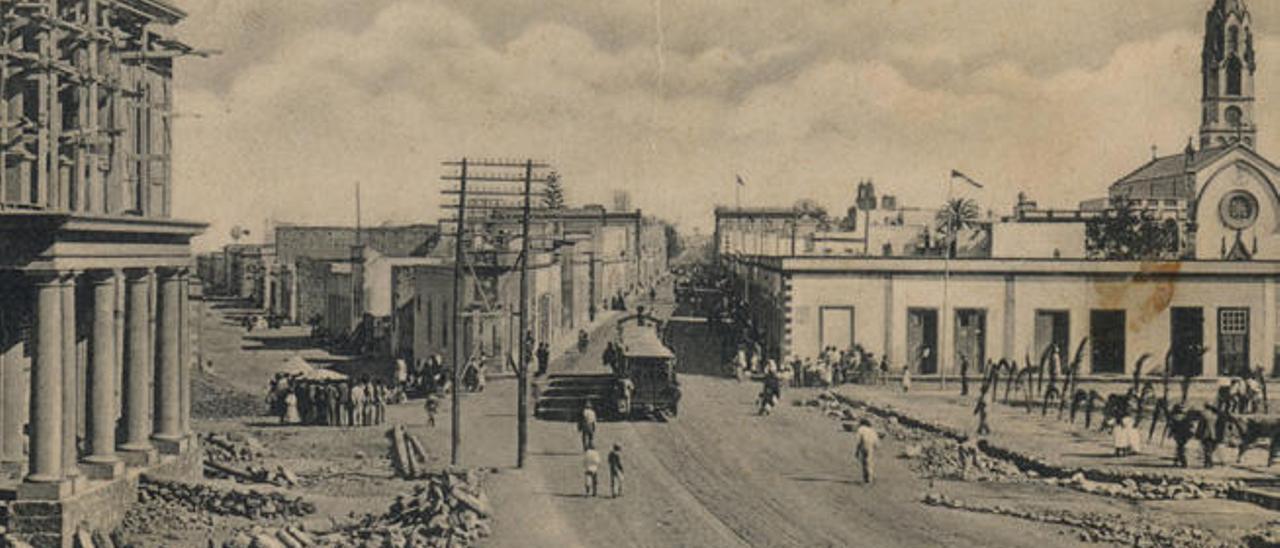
<point x="671" y="100"/>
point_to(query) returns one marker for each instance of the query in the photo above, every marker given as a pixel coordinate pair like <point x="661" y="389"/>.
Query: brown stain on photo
<point x="1146" y="294"/>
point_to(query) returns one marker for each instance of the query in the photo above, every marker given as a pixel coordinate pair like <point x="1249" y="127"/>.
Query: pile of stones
<point x="1129" y="488"/>
<point x="232" y="447"/>
<point x="449" y="508"/>
<point x="940" y="458"/>
<point x="284" y="537"/>
<point x="1093" y="527"/>
<point x="1266" y="536"/>
<point x="247" y="503"/>
<point x="932" y="449"/>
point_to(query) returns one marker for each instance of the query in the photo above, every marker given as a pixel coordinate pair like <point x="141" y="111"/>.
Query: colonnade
<point x="153" y="384"/>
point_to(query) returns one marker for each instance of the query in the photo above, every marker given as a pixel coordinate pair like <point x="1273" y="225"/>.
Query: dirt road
<point x="715" y="476"/>
<point x="720" y="476"/>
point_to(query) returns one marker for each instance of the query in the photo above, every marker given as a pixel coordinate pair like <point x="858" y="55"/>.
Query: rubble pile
<point x="940" y="458"/>
<point x="234" y="456"/>
<point x="448" y="509"/>
<point x="284" y="537"/>
<point x="1267" y="536"/>
<point x="246" y="503"/>
<point x="933" y="450"/>
<point x="157" y="516"/>
<point x="1096" y="528"/>
<point x="213" y="398"/>
<point x="1129" y="488"/>
<point x="232" y="447"/>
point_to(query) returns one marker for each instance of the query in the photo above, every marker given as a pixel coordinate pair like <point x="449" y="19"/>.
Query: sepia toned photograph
<point x="639" y="273"/>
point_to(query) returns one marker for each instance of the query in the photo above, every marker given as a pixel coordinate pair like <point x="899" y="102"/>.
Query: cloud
<point x="315" y="95"/>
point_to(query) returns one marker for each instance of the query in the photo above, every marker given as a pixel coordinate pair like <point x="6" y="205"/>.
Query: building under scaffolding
<point x="87" y="86"/>
<point x="96" y="342"/>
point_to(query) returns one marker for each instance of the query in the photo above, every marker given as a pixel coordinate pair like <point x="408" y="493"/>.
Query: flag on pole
<point x="957" y="175"/>
<point x="740" y="181"/>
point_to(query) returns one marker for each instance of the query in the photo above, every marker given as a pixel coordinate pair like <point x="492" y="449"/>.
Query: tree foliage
<point x="554" y="197"/>
<point x="1125" y="232"/>
<point x="955" y="216"/>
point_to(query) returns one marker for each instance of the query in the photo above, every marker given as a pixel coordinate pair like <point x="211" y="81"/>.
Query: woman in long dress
<point x="291" y="415"/>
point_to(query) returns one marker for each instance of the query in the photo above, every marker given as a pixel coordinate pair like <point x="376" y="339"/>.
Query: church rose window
<point x="1239" y="210"/>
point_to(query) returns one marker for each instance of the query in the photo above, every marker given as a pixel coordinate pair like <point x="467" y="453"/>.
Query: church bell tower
<point x="1228" y="66"/>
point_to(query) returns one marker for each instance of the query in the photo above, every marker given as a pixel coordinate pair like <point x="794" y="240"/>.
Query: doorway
<point x="922" y="336"/>
<point x="1053" y="327"/>
<point x="1233" y="342"/>
<point x="1186" y="336"/>
<point x="971" y="338"/>
<point x="1107" y="332"/>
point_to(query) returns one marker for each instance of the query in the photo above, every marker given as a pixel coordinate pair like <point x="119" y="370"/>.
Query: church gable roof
<point x="1171" y="167"/>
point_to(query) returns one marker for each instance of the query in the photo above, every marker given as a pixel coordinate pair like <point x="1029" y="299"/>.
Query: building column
<point x="185" y="354"/>
<point x="138" y="353"/>
<point x="13" y="392"/>
<point x="70" y="379"/>
<point x="168" y="405"/>
<point x="102" y="462"/>
<point x="45" y="479"/>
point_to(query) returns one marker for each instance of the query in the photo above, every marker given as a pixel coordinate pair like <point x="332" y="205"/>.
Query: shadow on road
<point x="818" y="479"/>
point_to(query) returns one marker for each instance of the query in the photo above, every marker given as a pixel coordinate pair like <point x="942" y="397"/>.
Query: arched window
<point x="1235" y="39"/>
<point x="1234" y="70"/>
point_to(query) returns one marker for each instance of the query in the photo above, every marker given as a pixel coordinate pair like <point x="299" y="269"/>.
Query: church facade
<point x="1211" y="310"/>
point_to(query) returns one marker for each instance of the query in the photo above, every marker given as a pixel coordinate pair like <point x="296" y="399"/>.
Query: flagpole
<point x="946" y="288"/>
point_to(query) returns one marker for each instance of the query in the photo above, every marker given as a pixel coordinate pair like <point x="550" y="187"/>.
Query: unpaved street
<point x="717" y="475"/>
<point x="720" y="476"/>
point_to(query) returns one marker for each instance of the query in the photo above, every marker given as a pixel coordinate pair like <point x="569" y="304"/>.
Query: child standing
<point x="433" y="406"/>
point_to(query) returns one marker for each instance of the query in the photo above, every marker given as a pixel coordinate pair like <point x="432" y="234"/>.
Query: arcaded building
<point x="95" y="318"/>
<point x="1210" y="302"/>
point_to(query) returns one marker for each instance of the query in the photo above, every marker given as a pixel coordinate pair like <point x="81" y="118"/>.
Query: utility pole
<point x="458" y="302"/>
<point x="495" y="201"/>
<point x="522" y="372"/>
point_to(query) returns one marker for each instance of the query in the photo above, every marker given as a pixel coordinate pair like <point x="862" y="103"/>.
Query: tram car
<point x="646" y="381"/>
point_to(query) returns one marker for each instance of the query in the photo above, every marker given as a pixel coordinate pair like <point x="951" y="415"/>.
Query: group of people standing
<point x="330" y="402"/>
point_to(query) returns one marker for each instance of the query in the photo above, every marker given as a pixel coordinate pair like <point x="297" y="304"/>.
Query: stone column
<point x="45" y="478"/>
<point x="184" y="364"/>
<point x="13" y="389"/>
<point x="168" y="429"/>
<point x="70" y="378"/>
<point x="138" y="352"/>
<point x="102" y="462"/>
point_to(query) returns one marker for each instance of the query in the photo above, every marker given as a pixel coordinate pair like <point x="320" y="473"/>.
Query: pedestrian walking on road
<point x="591" y="468"/>
<point x="587" y="426"/>
<point x="866" y="449"/>
<point x="906" y="378"/>
<point x="615" y="471"/>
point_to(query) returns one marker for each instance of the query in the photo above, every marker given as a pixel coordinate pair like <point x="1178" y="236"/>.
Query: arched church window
<point x="1234" y="69"/>
<point x="1235" y="39"/>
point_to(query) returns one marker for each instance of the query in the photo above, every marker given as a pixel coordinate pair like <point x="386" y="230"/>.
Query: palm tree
<point x="956" y="215"/>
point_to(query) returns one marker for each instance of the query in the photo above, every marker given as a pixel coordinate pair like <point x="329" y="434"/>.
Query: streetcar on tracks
<point x="647" y="383"/>
<point x="640" y="382"/>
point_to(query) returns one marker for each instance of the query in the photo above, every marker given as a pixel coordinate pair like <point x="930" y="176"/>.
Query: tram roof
<point x="643" y="342"/>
